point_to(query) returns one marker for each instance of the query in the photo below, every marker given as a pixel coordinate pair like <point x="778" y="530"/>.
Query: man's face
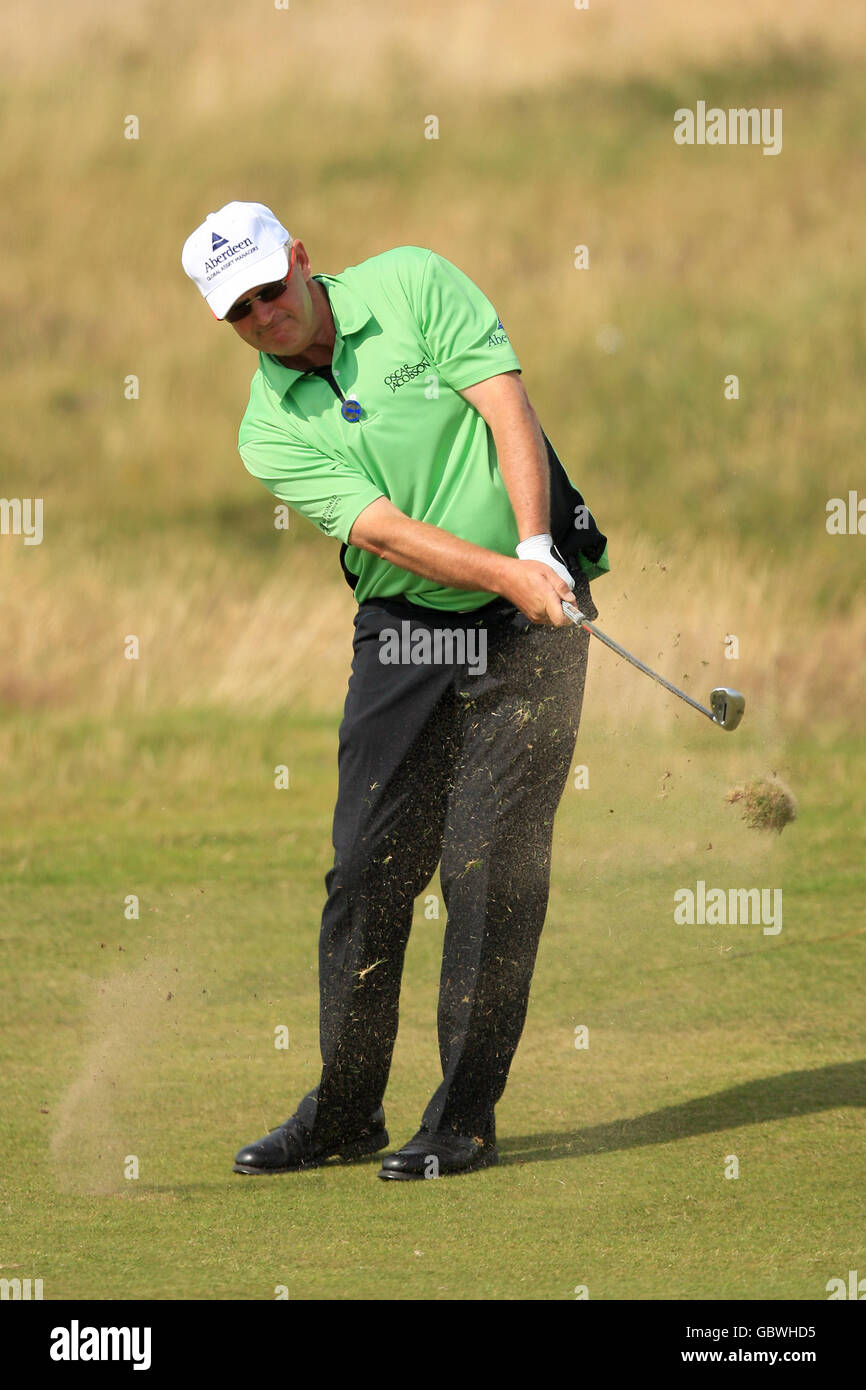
<point x="286" y="326"/>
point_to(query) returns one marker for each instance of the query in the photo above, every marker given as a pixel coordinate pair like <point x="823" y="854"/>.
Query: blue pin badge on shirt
<point x="351" y="411"/>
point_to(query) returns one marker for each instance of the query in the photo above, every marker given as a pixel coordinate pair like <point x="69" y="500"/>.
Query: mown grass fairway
<point x="155" y="1037"/>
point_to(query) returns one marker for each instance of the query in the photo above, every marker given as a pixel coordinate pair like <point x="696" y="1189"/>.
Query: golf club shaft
<point x="580" y="621"/>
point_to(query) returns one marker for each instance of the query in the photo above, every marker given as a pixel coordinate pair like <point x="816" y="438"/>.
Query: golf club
<point x="726" y="705"/>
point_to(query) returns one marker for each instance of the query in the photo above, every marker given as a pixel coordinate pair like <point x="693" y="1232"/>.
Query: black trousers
<point x="439" y="764"/>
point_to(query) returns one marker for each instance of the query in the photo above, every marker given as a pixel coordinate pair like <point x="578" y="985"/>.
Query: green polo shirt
<point x="411" y="331"/>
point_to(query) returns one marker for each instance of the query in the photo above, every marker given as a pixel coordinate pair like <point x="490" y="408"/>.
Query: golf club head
<point x="727" y="707"/>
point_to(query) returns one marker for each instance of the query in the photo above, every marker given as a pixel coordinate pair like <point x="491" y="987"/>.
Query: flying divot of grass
<point x="767" y="804"/>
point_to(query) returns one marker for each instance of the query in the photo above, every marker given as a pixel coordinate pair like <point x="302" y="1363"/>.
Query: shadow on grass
<point x="771" y="1098"/>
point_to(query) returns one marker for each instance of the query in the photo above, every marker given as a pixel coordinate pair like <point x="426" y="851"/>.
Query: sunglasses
<point x="266" y="294"/>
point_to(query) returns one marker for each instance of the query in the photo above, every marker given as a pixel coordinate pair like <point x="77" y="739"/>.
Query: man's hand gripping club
<point x="539" y="581"/>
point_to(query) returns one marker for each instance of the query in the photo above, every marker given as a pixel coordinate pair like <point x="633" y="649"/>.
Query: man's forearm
<point x="420" y="548"/>
<point x="428" y="550"/>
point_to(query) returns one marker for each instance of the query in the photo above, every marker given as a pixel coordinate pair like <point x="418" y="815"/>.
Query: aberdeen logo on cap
<point x="216" y="262"/>
<point x="217" y="241"/>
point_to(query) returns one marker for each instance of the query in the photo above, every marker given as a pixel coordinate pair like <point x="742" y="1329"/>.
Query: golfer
<point x="388" y="409"/>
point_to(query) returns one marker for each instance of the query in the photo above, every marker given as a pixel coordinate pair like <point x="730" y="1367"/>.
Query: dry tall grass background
<point x="503" y="44"/>
<point x="555" y="129"/>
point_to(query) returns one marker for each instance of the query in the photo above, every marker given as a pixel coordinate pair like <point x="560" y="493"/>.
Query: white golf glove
<point x="542" y="548"/>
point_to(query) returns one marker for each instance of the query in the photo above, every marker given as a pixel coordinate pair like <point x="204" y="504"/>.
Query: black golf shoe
<point x="439" y="1155"/>
<point x="291" y="1147"/>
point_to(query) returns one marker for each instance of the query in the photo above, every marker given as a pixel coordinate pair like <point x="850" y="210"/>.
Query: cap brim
<point x="272" y="267"/>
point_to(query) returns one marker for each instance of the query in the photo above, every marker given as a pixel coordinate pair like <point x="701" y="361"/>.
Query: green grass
<point x="154" y="1037"/>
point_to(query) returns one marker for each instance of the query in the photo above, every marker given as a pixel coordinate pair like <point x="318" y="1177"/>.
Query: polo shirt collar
<point x="350" y="313"/>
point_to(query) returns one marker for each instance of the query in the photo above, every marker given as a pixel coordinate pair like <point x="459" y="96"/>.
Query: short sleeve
<point x="328" y="492"/>
<point x="461" y="327"/>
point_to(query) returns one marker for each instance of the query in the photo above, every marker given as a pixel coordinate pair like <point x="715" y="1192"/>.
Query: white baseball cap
<point x="240" y="246"/>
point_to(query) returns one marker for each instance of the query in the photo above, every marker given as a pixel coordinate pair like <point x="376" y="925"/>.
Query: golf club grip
<point x="580" y="621"/>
